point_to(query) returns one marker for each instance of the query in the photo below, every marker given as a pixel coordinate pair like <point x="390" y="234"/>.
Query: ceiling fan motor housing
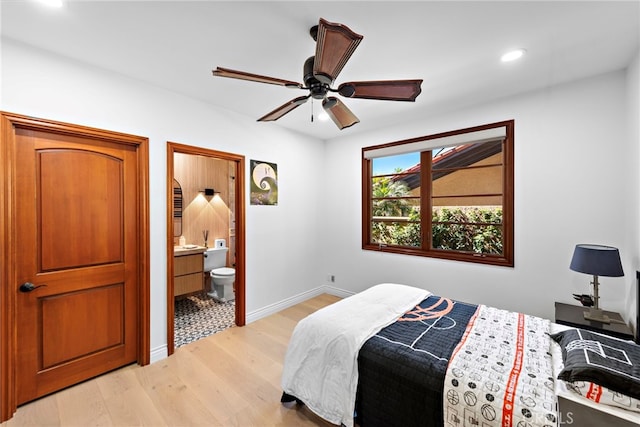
<point x="318" y="89"/>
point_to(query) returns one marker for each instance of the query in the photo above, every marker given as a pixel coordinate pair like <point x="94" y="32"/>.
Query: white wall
<point x="281" y="254"/>
<point x="633" y="118"/>
<point x="575" y="182"/>
<point x="572" y="185"/>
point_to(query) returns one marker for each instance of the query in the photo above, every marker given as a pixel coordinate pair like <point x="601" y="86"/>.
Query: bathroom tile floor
<point x="199" y="316"/>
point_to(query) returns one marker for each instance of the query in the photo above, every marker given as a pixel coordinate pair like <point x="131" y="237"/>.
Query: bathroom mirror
<point x="177" y="209"/>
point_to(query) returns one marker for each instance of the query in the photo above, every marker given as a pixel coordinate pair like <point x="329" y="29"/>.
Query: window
<point x="448" y="195"/>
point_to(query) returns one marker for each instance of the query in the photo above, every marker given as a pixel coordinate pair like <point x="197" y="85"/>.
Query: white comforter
<point x="321" y="366"/>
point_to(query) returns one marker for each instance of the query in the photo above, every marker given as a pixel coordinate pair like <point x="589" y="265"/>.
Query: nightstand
<point x="571" y="315"/>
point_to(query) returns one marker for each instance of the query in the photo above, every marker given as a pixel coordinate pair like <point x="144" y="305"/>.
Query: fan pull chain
<point x="312" y="111"/>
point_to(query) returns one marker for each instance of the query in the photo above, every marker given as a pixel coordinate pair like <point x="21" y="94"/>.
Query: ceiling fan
<point x="335" y="43"/>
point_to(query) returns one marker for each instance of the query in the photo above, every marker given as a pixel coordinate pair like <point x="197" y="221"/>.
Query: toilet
<point x="222" y="277"/>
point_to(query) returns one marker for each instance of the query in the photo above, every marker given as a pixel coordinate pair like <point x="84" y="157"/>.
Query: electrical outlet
<point x="332" y="278"/>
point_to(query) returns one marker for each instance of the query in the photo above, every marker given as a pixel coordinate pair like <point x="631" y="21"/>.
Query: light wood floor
<point x="231" y="378"/>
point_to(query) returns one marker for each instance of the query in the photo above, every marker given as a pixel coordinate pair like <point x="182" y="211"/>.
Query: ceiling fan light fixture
<point x="513" y="55"/>
<point x="329" y="102"/>
<point x="323" y="116"/>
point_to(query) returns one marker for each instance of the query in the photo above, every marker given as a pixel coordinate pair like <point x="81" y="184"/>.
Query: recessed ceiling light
<point x="513" y="55"/>
<point x="52" y="3"/>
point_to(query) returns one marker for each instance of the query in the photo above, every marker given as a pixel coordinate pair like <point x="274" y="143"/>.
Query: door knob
<point x="28" y="287"/>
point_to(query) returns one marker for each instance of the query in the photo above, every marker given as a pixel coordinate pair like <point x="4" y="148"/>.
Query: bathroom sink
<point x="188" y="249"/>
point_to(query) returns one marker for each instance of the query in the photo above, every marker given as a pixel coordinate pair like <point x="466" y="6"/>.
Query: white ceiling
<point x="453" y="46"/>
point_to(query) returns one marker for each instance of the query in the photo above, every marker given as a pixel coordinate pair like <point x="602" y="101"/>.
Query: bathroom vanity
<point x="188" y="267"/>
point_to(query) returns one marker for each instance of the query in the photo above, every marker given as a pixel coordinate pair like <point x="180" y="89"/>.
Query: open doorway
<point x="219" y="220"/>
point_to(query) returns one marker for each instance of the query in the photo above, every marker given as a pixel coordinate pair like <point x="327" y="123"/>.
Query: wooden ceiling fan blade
<point x="234" y="74"/>
<point x="339" y="113"/>
<point x="334" y="46"/>
<point x="284" y="109"/>
<point x="389" y="90"/>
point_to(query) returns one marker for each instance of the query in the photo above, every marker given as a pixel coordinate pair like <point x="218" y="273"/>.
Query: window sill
<point x="442" y="254"/>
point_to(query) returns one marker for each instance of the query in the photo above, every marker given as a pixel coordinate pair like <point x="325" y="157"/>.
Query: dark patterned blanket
<point x="402" y="368"/>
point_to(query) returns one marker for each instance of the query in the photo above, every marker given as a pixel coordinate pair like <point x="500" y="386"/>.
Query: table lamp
<point x="597" y="260"/>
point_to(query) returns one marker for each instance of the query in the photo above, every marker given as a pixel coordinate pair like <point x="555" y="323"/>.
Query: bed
<point x="398" y="355"/>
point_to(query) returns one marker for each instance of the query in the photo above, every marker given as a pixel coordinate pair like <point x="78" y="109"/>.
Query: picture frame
<point x="263" y="183"/>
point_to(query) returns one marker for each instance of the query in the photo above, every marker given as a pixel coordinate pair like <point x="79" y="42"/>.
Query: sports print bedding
<point x="455" y="364"/>
<point x="397" y="355"/>
<point x="601" y="368"/>
<point x="436" y="362"/>
<point x="501" y="373"/>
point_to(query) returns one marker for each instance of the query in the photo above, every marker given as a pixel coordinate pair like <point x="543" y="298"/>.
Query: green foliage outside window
<point x="466" y="233"/>
<point x="468" y="229"/>
<point x="405" y="233"/>
<point x="386" y="187"/>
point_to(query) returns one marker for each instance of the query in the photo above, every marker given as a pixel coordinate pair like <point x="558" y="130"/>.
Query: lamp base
<point x="596" y="315"/>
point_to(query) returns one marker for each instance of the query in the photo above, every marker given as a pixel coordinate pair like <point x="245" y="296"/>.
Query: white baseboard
<point x="159" y="353"/>
<point x="297" y="299"/>
<point x="332" y="290"/>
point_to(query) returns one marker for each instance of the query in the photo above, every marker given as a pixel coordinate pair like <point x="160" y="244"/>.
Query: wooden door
<point x="77" y="226"/>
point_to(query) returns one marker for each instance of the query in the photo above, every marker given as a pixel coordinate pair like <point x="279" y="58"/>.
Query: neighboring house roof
<point x="447" y="160"/>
